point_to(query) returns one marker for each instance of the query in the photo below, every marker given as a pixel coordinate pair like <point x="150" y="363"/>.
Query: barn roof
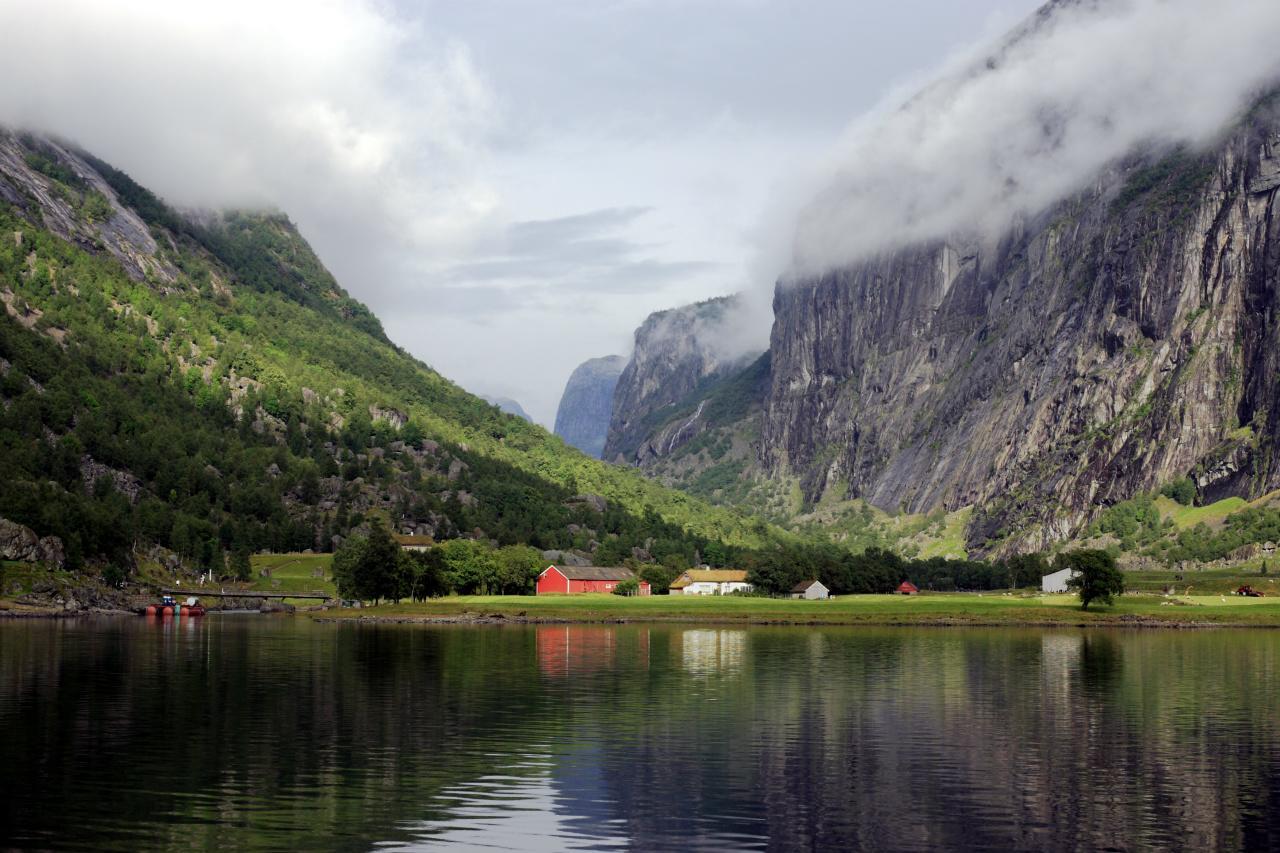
<point x="404" y="539"/>
<point x="595" y="573"/>
<point x="804" y="585"/>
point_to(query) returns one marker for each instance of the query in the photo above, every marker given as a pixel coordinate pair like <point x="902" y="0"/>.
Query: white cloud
<point x="1057" y="103"/>
<point x="410" y="142"/>
<point x="358" y="123"/>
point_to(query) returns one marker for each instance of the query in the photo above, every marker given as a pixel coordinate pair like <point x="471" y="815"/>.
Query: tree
<point x="368" y="569"/>
<point x="630" y="586"/>
<point x="1026" y="569"/>
<point x="422" y="574"/>
<point x="1183" y="491"/>
<point x="1095" y="575"/>
<point x="241" y="568"/>
<point x="659" y="577"/>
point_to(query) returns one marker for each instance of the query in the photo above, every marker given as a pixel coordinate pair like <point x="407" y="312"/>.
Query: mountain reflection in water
<point x="254" y="732"/>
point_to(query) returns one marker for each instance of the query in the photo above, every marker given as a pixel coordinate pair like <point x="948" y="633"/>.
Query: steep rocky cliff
<point x="582" y="418"/>
<point x="1120" y="339"/>
<point x="679" y="354"/>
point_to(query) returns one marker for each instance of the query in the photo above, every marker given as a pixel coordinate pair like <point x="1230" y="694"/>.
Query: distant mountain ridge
<point x="508" y="405"/>
<point x="586" y="406"/>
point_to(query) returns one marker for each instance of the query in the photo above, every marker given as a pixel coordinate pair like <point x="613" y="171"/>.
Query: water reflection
<point x="704" y="652"/>
<point x="274" y="733"/>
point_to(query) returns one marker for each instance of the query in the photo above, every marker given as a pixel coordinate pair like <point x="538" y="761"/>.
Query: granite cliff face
<point x="1121" y="339"/>
<point x="678" y="354"/>
<point x="582" y="418"/>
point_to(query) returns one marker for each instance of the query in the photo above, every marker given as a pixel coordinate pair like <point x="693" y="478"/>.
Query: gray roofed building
<point x="596" y="573"/>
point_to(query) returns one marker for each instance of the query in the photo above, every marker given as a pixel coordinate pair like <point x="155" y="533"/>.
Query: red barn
<point x="572" y="579"/>
<point x="907" y="588"/>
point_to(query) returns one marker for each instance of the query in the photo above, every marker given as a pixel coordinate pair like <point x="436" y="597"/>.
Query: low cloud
<point x="364" y="127"/>
<point x="1013" y="129"/>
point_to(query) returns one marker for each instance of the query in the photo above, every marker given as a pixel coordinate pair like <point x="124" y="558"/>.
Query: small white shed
<point x="1057" y="581"/>
<point x="812" y="590"/>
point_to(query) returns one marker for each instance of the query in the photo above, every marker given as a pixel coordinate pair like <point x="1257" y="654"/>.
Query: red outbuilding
<point x="572" y="579"/>
<point x="907" y="588"/>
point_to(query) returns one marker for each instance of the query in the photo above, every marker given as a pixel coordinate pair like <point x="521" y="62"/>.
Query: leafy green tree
<point x="346" y="562"/>
<point x="368" y="569"/>
<point x="1026" y="569"/>
<point x="659" y="577"/>
<point x="630" y="586"/>
<point x="241" y="566"/>
<point x="422" y="574"/>
<point x="518" y="568"/>
<point x="1183" y="491"/>
<point x="1096" y="575"/>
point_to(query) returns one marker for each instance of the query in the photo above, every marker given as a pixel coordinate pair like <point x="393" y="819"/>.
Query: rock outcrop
<point x="677" y="354"/>
<point x="21" y="544"/>
<point x="1120" y="339"/>
<point x="582" y="418"/>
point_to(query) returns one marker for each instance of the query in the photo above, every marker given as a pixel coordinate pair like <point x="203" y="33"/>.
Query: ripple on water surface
<point x="260" y="733"/>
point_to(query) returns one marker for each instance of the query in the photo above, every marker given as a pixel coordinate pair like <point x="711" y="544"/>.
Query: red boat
<point x="169" y="606"/>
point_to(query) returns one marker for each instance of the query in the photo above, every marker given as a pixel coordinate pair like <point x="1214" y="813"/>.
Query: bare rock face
<point x="21" y="544"/>
<point x="586" y="405"/>
<point x="117" y="229"/>
<point x="676" y="353"/>
<point x="91" y="472"/>
<point x="1121" y="339"/>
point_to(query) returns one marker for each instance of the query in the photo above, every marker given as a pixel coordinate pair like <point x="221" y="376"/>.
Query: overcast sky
<point x="511" y="186"/>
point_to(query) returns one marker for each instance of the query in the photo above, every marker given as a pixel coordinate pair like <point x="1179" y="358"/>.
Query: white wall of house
<point x="1055" y="582"/>
<point x="815" y="591"/>
<point x="715" y="588"/>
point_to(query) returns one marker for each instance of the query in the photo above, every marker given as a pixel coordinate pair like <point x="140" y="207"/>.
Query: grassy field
<point x="1211" y="582"/>
<point x="935" y="609"/>
<point x="1189" y="516"/>
<point x="292" y="573"/>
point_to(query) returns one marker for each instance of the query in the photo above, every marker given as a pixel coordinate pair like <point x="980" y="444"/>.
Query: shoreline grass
<point x="988" y="609"/>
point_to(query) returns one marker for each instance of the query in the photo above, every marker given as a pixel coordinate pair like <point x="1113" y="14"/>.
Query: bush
<point x="1183" y="491"/>
<point x="114" y="575"/>
<point x="630" y="586"/>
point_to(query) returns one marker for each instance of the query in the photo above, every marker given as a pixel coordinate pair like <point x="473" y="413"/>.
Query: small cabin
<point x="813" y="590"/>
<point x="569" y="580"/>
<point x="907" y="588"/>
<point x="414" y="543"/>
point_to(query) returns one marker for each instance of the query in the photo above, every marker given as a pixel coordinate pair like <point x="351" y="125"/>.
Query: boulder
<point x="20" y="544"/>
<point x="596" y="502"/>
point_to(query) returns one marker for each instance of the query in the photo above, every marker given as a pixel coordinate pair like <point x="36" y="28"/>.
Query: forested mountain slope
<point x="201" y="383"/>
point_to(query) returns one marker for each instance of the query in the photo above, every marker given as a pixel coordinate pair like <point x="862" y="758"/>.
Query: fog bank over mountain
<point x="1009" y="130"/>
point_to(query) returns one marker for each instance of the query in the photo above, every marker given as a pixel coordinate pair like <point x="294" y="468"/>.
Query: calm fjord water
<point x="255" y="732"/>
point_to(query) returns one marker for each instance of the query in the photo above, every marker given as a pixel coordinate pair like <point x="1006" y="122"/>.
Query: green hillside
<point x="232" y="397"/>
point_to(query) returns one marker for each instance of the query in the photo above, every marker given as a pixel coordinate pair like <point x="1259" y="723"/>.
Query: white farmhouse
<point x="710" y="582"/>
